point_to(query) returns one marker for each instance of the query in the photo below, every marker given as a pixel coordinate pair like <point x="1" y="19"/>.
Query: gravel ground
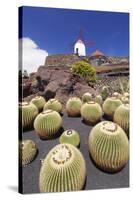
<point x="96" y="179"/>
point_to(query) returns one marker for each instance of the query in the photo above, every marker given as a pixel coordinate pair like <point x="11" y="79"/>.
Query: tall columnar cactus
<point x="70" y="136"/>
<point x="62" y="170"/>
<point x="73" y="106"/>
<point x="121" y="116"/>
<point x="39" y="102"/>
<point x="110" y="105"/>
<point x="28" y="151"/>
<point x="105" y="92"/>
<point x="53" y="104"/>
<point x="47" y="124"/>
<point x="86" y="97"/>
<point x="99" y="100"/>
<point x="108" y="146"/>
<point x="91" y="112"/>
<point x="28" y="112"/>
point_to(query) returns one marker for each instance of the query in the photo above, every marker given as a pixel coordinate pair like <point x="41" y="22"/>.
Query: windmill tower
<point x="79" y="48"/>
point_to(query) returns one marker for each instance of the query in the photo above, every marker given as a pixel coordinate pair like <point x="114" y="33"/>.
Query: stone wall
<point x="62" y="60"/>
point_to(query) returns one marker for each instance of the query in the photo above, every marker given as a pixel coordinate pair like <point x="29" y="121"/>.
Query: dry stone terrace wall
<point x="64" y="60"/>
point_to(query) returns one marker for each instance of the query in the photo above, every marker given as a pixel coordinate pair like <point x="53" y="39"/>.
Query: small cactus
<point x="70" y="136"/>
<point x="73" y="106"/>
<point x="116" y="94"/>
<point x="62" y="170"/>
<point x="47" y="124"/>
<point x="110" y="105"/>
<point x="99" y="100"/>
<point x="53" y="104"/>
<point x="86" y="97"/>
<point x="91" y="112"/>
<point x="126" y="94"/>
<point x="28" y="112"/>
<point x="28" y="151"/>
<point x="121" y="116"/>
<point x="125" y="100"/>
<point x="109" y="146"/>
<point x="105" y="92"/>
<point x="39" y="102"/>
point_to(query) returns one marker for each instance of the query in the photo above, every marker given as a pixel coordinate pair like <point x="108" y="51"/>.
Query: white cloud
<point x="32" y="56"/>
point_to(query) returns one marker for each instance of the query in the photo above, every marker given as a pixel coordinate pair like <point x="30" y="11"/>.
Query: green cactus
<point x="53" y="104"/>
<point x="47" y="124"/>
<point x="70" y="136"/>
<point x="110" y="105"/>
<point x="108" y="146"/>
<point x="28" y="112"/>
<point x="62" y="170"/>
<point x="125" y="100"/>
<point x="86" y="97"/>
<point x="39" y="102"/>
<point x="91" y="112"/>
<point x="73" y="106"/>
<point x="105" y="92"/>
<point x="121" y="117"/>
<point x="99" y="100"/>
<point x="28" y="151"/>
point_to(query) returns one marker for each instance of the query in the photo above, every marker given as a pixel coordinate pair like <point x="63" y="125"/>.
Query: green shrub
<point x="85" y="70"/>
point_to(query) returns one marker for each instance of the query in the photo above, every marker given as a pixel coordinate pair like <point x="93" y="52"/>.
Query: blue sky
<point x="54" y="30"/>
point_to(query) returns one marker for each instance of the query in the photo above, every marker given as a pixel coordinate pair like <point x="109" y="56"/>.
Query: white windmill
<point x="79" y="48"/>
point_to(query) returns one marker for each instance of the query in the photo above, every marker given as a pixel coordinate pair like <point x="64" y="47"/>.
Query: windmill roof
<point x="97" y="53"/>
<point x="80" y="41"/>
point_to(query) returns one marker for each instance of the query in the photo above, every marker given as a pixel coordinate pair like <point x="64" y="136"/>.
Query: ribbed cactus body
<point x="47" y="124"/>
<point x="70" y="136"/>
<point x="28" y="112"/>
<point x="91" y="112"/>
<point x="108" y="146"/>
<point x="99" y="100"/>
<point x="73" y="106"/>
<point x="28" y="151"/>
<point x="62" y="170"/>
<point x="121" y="116"/>
<point x="86" y="97"/>
<point x="110" y="105"/>
<point x="53" y="104"/>
<point x="39" y="102"/>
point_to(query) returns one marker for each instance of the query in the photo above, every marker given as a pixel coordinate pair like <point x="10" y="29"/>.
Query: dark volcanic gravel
<point x="96" y="179"/>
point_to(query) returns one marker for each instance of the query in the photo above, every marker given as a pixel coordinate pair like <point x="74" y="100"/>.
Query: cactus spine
<point x="47" y="124"/>
<point x="91" y="112"/>
<point x="121" y="116"/>
<point x="73" y="106"/>
<point x="53" y="104"/>
<point x="28" y="151"/>
<point x="86" y="97"/>
<point x="28" y="112"/>
<point x="108" y="146"/>
<point x="110" y="105"/>
<point x="70" y="136"/>
<point x="62" y="170"/>
<point x="39" y="102"/>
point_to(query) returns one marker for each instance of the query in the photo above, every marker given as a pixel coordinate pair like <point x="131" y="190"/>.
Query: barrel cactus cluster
<point x="91" y="112"/>
<point x="39" y="102"/>
<point x="109" y="146"/>
<point x="28" y="112"/>
<point x="47" y="124"/>
<point x="63" y="169"/>
<point x="70" y="136"/>
<point x="53" y="104"/>
<point x="73" y="106"/>
<point x="28" y="151"/>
